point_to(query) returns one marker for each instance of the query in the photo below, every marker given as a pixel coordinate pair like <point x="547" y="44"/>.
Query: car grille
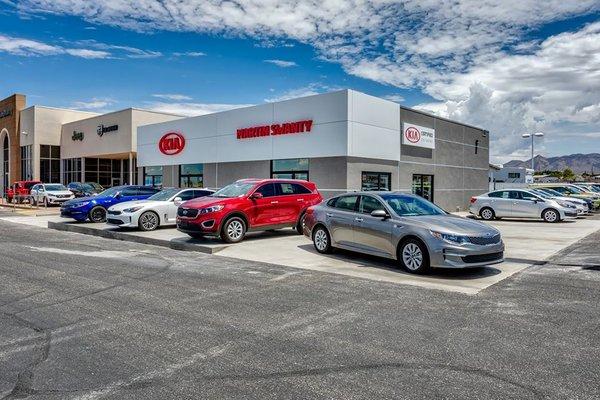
<point x="187" y="212"/>
<point x="114" y="221"/>
<point x="113" y="212"/>
<point x="63" y="196"/>
<point x="484" y="240"/>
<point x="479" y="258"/>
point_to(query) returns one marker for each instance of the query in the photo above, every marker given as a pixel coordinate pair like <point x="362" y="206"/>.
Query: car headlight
<point x="133" y="209"/>
<point x="565" y="204"/>
<point x="451" y="238"/>
<point x="212" y="209"/>
<point x="85" y="203"/>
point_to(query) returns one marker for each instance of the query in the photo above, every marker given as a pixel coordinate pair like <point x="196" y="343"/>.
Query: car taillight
<point x="473" y="200"/>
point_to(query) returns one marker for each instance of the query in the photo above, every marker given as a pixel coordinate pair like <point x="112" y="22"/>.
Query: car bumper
<point x="122" y="220"/>
<point x="78" y="214"/>
<point x="207" y="226"/>
<point x="58" y="201"/>
<point x="468" y="256"/>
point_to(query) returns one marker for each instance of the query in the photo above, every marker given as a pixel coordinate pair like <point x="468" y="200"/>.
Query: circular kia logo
<point x="171" y="143"/>
<point x="412" y="135"/>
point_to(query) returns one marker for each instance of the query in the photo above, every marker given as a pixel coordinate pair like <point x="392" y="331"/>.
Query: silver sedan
<point x="403" y="227"/>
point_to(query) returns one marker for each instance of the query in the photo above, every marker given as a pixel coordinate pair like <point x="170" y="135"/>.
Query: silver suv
<point x="520" y="203"/>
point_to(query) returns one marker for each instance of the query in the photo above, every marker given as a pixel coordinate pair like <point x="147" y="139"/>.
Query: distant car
<point x="403" y="227"/>
<point x="570" y="190"/>
<point x="520" y="203"/>
<point x="50" y="193"/>
<point x="582" y="207"/>
<point x="157" y="210"/>
<point x="94" y="208"/>
<point x="84" y="189"/>
<point x="248" y="205"/>
<point x="560" y="196"/>
<point x="20" y="190"/>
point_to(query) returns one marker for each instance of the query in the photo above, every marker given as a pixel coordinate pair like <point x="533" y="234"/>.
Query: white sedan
<point x="157" y="210"/>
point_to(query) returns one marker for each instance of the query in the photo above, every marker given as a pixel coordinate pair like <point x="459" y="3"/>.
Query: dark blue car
<point x="94" y="207"/>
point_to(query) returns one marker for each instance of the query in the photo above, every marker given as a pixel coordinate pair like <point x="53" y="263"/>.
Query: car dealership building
<point x="342" y="141"/>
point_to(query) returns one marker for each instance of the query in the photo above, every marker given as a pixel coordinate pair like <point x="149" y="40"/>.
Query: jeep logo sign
<point x="419" y="136"/>
<point x="171" y="143"/>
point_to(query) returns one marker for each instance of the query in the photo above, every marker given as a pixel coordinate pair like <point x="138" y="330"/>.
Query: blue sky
<point x="501" y="65"/>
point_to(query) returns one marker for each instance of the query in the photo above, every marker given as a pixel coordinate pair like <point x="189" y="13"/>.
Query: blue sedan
<point x="94" y="207"/>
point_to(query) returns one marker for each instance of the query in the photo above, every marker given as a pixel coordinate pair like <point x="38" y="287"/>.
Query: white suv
<point x="50" y="193"/>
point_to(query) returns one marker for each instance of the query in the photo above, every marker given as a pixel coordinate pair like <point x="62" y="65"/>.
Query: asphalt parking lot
<point x="527" y="242"/>
<point x="83" y="317"/>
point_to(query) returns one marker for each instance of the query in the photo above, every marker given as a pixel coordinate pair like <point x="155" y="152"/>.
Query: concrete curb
<point x="109" y="234"/>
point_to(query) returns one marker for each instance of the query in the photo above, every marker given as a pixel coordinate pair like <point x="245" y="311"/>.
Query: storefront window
<point x="296" y="168"/>
<point x="422" y="185"/>
<point x="153" y="176"/>
<point x="49" y="163"/>
<point x="371" y="181"/>
<point x="71" y="170"/>
<point x="26" y="163"/>
<point x="191" y="175"/>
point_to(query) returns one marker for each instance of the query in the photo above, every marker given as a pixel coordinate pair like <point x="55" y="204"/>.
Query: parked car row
<point x="552" y="202"/>
<point x="394" y="225"/>
<point x="38" y="192"/>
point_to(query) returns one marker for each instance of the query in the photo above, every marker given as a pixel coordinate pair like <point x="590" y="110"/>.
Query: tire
<point x="551" y="215"/>
<point x="148" y="221"/>
<point x="45" y="202"/>
<point x="97" y="214"/>
<point x="300" y="224"/>
<point x="34" y="202"/>
<point x="321" y="240"/>
<point x="414" y="257"/>
<point x="196" y="235"/>
<point x="487" y="214"/>
<point x="233" y="230"/>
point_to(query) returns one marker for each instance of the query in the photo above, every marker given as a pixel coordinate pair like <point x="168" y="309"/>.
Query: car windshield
<point x="541" y="194"/>
<point x="86" y="187"/>
<point x="95" y="185"/>
<point x="551" y="192"/>
<point x="411" y="206"/>
<point x="236" y="189"/>
<point x="575" y="189"/>
<point x="164" y="194"/>
<point x="111" y="192"/>
<point x="56" y="187"/>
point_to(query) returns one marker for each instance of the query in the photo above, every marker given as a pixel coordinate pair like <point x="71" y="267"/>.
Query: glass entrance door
<point x="422" y="185"/>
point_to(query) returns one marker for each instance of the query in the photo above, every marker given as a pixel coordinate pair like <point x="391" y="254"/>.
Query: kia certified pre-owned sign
<point x="77" y="136"/>
<point x="101" y="130"/>
<point x="171" y="143"/>
<point x="275" y="129"/>
<point x="420" y="136"/>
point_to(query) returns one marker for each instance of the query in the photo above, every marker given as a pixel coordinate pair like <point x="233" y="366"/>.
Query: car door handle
<point x="299" y="199"/>
<point x="274" y="202"/>
<point x="358" y="219"/>
<point x="329" y="214"/>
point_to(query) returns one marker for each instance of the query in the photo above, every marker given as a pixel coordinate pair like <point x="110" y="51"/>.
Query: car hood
<point x="133" y="203"/>
<point x="453" y="224"/>
<point x="82" y="200"/>
<point x="570" y="199"/>
<point x="207" y="201"/>
<point x="59" y="192"/>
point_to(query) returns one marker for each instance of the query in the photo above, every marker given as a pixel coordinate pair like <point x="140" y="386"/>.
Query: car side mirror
<point x="256" y="196"/>
<point x="118" y="195"/>
<point x="177" y="201"/>
<point x="380" y="214"/>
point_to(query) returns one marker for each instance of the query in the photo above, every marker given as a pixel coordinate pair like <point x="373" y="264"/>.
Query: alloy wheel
<point x="235" y="230"/>
<point x="412" y="256"/>
<point x="149" y="221"/>
<point x="321" y="241"/>
<point x="487" y="214"/>
<point x="550" y="216"/>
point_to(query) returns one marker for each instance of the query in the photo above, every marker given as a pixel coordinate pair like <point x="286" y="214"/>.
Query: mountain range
<point x="579" y="163"/>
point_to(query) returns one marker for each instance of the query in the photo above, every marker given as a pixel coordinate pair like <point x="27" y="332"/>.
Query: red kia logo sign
<point x="412" y="135"/>
<point x="171" y="143"/>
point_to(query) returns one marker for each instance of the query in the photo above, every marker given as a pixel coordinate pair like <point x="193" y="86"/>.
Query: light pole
<point x="532" y="135"/>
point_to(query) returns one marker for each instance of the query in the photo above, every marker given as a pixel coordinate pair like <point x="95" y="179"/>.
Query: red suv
<point x="20" y="190"/>
<point x="248" y="205"/>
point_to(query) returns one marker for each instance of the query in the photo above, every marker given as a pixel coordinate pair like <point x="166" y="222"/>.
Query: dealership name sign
<point x="7" y="112"/>
<point x="420" y="136"/>
<point x="285" y="128"/>
<point x="102" y="129"/>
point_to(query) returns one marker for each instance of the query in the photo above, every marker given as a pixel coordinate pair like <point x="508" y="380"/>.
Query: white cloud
<point x="26" y="47"/>
<point x="310" y="90"/>
<point x="87" y="53"/>
<point x="397" y="98"/>
<point x="175" y="97"/>
<point x="191" y="109"/>
<point x="282" y="63"/>
<point x="95" y="104"/>
<point x="189" y="54"/>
